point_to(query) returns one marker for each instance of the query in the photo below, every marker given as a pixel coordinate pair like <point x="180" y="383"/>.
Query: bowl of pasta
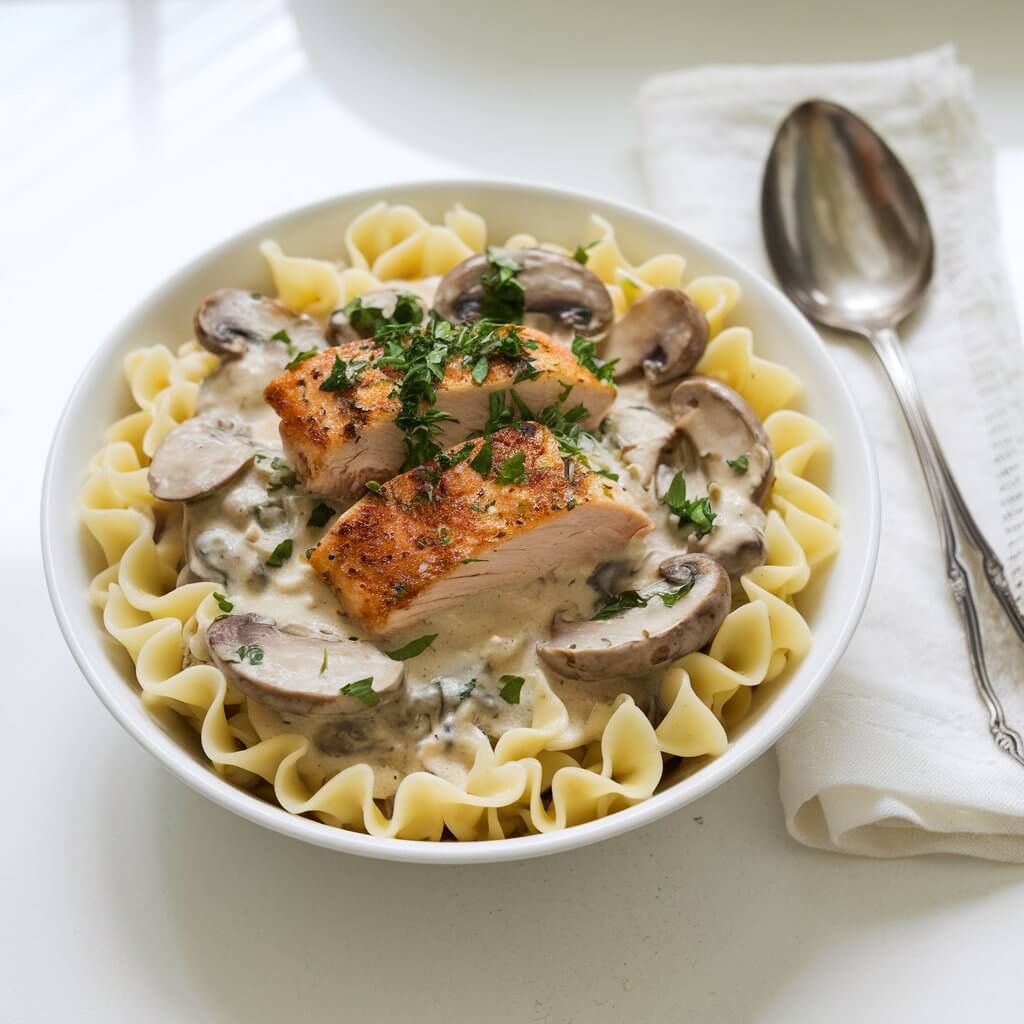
<point x="459" y="521"/>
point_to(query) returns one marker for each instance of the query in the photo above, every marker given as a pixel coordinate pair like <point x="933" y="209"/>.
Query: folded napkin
<point x="894" y="757"/>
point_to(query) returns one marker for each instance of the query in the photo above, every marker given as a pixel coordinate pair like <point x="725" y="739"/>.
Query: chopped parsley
<point x="511" y="687"/>
<point x="444" y="536"/>
<point x="512" y="470"/>
<point x="630" y="599"/>
<point x="343" y="375"/>
<point x="585" y="352"/>
<point x="412" y="648"/>
<point x="582" y="253"/>
<point x="362" y="689"/>
<point x="483" y="458"/>
<point x="448" y="459"/>
<point x="480" y="368"/>
<point x="367" y="317"/>
<point x="739" y="465"/>
<point x="467" y="691"/>
<point x="281" y="475"/>
<point x="323" y="664"/>
<point x="616" y="606"/>
<point x="300" y="358"/>
<point x="251" y="653"/>
<point x="282" y="336"/>
<point x="222" y="602"/>
<point x="607" y="473"/>
<point x="280" y="554"/>
<point x="504" y="297"/>
<point x="373" y="487"/>
<point x="470" y="561"/>
<point x="697" y="511"/>
<point x="320" y="515"/>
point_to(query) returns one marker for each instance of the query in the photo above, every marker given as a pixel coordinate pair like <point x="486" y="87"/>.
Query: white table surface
<point x="134" y="135"/>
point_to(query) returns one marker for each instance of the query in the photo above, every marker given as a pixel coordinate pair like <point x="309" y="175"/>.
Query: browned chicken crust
<point x="337" y="440"/>
<point x="403" y="554"/>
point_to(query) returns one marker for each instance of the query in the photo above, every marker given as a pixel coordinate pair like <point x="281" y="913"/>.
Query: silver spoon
<point x="849" y="240"/>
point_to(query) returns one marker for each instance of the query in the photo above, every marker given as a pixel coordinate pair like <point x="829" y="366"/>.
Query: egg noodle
<point x="525" y="781"/>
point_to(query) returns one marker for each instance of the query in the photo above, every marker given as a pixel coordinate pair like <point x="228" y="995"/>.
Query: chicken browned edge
<point x="317" y="425"/>
<point x="406" y="551"/>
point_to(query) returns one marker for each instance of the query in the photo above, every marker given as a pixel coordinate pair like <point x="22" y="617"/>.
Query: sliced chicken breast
<point x="411" y="551"/>
<point x="338" y="440"/>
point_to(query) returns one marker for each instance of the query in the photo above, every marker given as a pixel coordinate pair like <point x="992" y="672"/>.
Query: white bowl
<point x="833" y="606"/>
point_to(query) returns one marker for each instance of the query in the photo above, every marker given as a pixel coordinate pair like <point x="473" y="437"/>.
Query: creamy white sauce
<point x="453" y="687"/>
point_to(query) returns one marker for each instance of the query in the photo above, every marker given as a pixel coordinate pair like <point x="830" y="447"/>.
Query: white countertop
<point x="136" y="135"/>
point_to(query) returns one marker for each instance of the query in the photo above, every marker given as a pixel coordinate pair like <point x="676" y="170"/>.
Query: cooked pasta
<point x="556" y="764"/>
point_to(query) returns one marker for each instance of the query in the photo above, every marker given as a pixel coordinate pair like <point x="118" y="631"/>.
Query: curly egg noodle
<point x="533" y="779"/>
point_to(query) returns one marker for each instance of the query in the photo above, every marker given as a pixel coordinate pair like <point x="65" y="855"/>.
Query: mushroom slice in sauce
<point x="359" y="318"/>
<point x="729" y="438"/>
<point x="229" y="319"/>
<point x="561" y="296"/>
<point x="302" y="674"/>
<point x="198" y="456"/>
<point x="665" y="332"/>
<point x="643" y="638"/>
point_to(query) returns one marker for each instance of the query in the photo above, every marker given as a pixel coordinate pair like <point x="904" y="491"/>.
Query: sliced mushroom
<point x="302" y="673"/>
<point x="643" y="638"/>
<point x="722" y="426"/>
<point x="357" y="319"/>
<point x="641" y="435"/>
<point x="562" y="297"/>
<point x="665" y="332"/>
<point x="229" y="319"/>
<point x="198" y="456"/>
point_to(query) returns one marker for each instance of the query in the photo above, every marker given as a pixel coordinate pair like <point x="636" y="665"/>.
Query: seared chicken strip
<point x="409" y="551"/>
<point x="337" y="440"/>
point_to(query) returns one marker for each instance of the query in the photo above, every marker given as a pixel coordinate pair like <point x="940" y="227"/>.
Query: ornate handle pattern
<point x="947" y="502"/>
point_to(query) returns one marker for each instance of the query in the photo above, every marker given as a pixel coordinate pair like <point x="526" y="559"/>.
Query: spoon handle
<point x="947" y="502"/>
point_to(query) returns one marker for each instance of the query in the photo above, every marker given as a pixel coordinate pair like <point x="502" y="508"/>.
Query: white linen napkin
<point x="894" y="757"/>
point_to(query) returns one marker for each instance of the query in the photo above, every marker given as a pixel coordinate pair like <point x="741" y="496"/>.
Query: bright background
<point x="132" y="136"/>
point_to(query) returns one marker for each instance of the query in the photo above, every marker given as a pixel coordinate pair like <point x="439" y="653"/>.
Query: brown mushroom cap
<point x="665" y="332"/>
<point x="568" y="298"/>
<point x="384" y="301"/>
<point x="721" y="425"/>
<point x="198" y="456"/>
<point x="229" y="319"/>
<point x="641" y="639"/>
<point x="288" y="672"/>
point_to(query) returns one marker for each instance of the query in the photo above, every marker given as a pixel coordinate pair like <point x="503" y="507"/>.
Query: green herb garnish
<point x="582" y="254"/>
<point x="670" y="598"/>
<point x="368" y="319"/>
<point x="412" y="648"/>
<point x="607" y="473"/>
<point x="739" y="465"/>
<point x="504" y="297"/>
<point x="282" y="336"/>
<point x="617" y="605"/>
<point x="466" y="692"/>
<point x="484" y="457"/>
<point x="585" y="352"/>
<point x="470" y="561"/>
<point x="480" y="368"/>
<point x="343" y="375"/>
<point x="697" y="511"/>
<point x="511" y="687"/>
<point x="301" y="358"/>
<point x="251" y="653"/>
<point x="281" y="475"/>
<point x="444" y="536"/>
<point x="446" y="460"/>
<point x="280" y="554"/>
<point x="222" y="602"/>
<point x="512" y="470"/>
<point x="320" y="515"/>
<point x="362" y="689"/>
<point x="323" y="664"/>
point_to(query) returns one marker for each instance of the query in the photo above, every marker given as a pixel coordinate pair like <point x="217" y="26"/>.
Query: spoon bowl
<point x="846" y="230"/>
